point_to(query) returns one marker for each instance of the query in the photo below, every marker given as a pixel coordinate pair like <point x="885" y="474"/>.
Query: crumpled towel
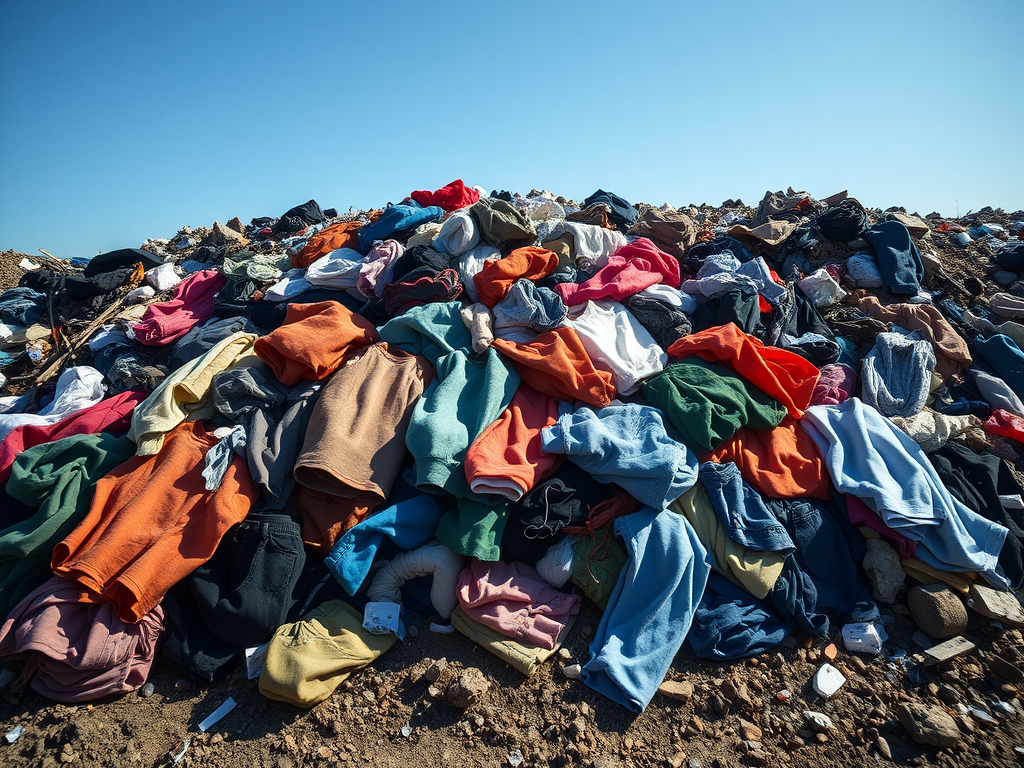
<point x="457" y="235"/>
<point x="896" y="374"/>
<point x="432" y="559"/>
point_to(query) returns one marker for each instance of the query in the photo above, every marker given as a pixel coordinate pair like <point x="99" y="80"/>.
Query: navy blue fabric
<point x="21" y="306"/>
<point x="741" y="511"/>
<point x="620" y="211"/>
<point x="730" y="623"/>
<point x="1005" y="358"/>
<point x="898" y="258"/>
<point x="1012" y="258"/>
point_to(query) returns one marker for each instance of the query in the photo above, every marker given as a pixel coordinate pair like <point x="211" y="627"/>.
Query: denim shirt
<point x="741" y="511"/>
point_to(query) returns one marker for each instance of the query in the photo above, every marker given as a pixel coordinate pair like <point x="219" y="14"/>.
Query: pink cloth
<point x="375" y="271"/>
<point x="629" y="270"/>
<point x="113" y="415"/>
<point x="861" y="514"/>
<point x="836" y="384"/>
<point x="75" y="650"/>
<point x="192" y="304"/>
<point x="512" y="599"/>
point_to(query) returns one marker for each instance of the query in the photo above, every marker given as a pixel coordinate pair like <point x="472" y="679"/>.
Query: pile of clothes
<point x="306" y="434"/>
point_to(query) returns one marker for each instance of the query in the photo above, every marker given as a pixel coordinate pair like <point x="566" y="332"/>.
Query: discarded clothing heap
<point x="313" y="432"/>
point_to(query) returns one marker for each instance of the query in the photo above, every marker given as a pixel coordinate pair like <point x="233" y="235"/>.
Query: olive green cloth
<point x="501" y="225"/>
<point x="526" y="658"/>
<point x="597" y="562"/>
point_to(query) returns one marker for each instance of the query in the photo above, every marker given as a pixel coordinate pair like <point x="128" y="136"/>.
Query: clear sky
<point x="127" y="119"/>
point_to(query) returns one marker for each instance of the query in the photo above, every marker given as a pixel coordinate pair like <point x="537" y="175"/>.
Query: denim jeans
<point x="741" y="511"/>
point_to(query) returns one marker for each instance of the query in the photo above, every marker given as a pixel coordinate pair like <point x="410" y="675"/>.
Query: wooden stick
<point x="55" y="366"/>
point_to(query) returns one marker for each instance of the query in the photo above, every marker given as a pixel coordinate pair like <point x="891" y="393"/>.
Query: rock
<point x="958" y="646"/>
<point x="285" y="762"/>
<point x="1003" y="277"/>
<point x="696" y="726"/>
<point x="466" y="689"/>
<point x="677" y="760"/>
<point x="147" y="690"/>
<point x="922" y="640"/>
<point x="858" y="664"/>
<point x="756" y="757"/>
<point x="948" y="695"/>
<point x="736" y="692"/>
<point x="720" y="704"/>
<point x="435" y="669"/>
<point x="882" y="566"/>
<point x="818" y="722"/>
<point x="937" y="610"/>
<point x="830" y="652"/>
<point x="236" y="225"/>
<point x="750" y="731"/>
<point x="928" y="725"/>
<point x="223" y="235"/>
<point x="1001" y="606"/>
<point x="564" y="653"/>
<point x="678" y="690"/>
<point x="883" y="747"/>
<point x="572" y="671"/>
<point x="1005" y="669"/>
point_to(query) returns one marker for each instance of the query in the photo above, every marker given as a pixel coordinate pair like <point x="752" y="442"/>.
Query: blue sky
<point x="126" y="120"/>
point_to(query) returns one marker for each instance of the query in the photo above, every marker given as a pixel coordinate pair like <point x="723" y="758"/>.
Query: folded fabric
<point x="617" y="342"/>
<point x="650" y="610"/>
<point x="408" y="523"/>
<point x="191" y="303"/>
<point x="869" y="457"/>
<point x="527" y="310"/>
<point x="341" y="235"/>
<point x="631" y="269"/>
<point x="470" y="262"/>
<point x="458" y="234"/>
<point x="730" y="623"/>
<point x="78" y="388"/>
<point x="308" y="660"/>
<point x="55" y="480"/>
<point x="474" y="528"/>
<point x="996" y="392"/>
<point x="665" y="322"/>
<point x="843" y="222"/>
<point x="782" y="375"/>
<point x="896" y="374"/>
<point x="865" y="518"/>
<point x="506" y="458"/>
<point x="75" y="647"/>
<point x="338" y="269"/>
<point x="501" y="225"/>
<point x="626" y="445"/>
<point x="671" y="230"/>
<point x="451" y="196"/>
<point x="111" y="416"/>
<point x="433" y="559"/>
<point x="620" y="212"/>
<point x="706" y="403"/>
<point x="1007" y="305"/>
<point x="987" y="328"/>
<point x="424" y="234"/>
<point x="187" y="393"/>
<point x="556" y="363"/>
<point x="495" y="280"/>
<point x="152" y="522"/>
<point x="783" y="462"/>
<point x="1003" y="355"/>
<point x="314" y="341"/>
<point x="394" y="221"/>
<point x="522" y="656"/>
<point x="591" y="246"/>
<point x="512" y="599"/>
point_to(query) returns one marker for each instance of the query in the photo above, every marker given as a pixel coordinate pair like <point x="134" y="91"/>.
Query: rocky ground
<point x="439" y="700"/>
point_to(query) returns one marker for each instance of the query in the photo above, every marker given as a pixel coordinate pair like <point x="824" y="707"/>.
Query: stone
<point x="818" y="722"/>
<point x="435" y="669"/>
<point x="958" y="646"/>
<point x="858" y="665"/>
<point x="677" y="760"/>
<point x="830" y="652"/>
<point x="736" y="692"/>
<point x="572" y="671"/>
<point x="883" y="747"/>
<point x="882" y="566"/>
<point x="236" y="225"/>
<point x="466" y="689"/>
<point x="937" y="610"/>
<point x="922" y="640"/>
<point x="147" y="690"/>
<point x="1001" y="606"/>
<point x="564" y="653"/>
<point x="1003" y="277"/>
<point x="750" y="731"/>
<point x="1005" y="669"/>
<point x="680" y="690"/>
<point x="223" y="235"/>
<point x="928" y="725"/>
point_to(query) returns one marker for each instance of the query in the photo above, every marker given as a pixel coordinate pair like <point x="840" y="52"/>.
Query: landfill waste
<point x="486" y="471"/>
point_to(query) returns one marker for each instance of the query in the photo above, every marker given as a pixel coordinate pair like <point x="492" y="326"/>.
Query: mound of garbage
<point x="289" y="445"/>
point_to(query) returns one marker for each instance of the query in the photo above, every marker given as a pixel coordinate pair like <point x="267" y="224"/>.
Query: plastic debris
<point x="406" y="730"/>
<point x="864" y="637"/>
<point x="14" y="734"/>
<point x="255" y="658"/>
<point x="147" y="690"/>
<point x="515" y="757"/>
<point x="380" y="618"/>
<point x="828" y="680"/>
<point x="783" y="695"/>
<point x="28" y="266"/>
<point x="572" y="671"/>
<point x="217" y="715"/>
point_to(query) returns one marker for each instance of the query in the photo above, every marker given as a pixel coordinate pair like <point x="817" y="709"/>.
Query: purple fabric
<point x="836" y="383"/>
<point x="192" y="304"/>
<point x="77" y="651"/>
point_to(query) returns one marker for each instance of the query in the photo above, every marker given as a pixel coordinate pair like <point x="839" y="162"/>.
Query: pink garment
<point x="861" y="514"/>
<point x="510" y="598"/>
<point x="192" y="304"/>
<point x="629" y="270"/>
<point x="375" y="271"/>
<point x="836" y="384"/>
<point x="75" y="650"/>
<point x="113" y="415"/>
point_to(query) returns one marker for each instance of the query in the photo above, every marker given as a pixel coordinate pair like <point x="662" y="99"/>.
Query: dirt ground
<point x="394" y="714"/>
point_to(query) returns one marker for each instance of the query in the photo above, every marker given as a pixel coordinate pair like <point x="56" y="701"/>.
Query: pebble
<point x="564" y="653"/>
<point x="830" y="652"/>
<point x="883" y="747"/>
<point x="750" y="731"/>
<point x="818" y="722"/>
<point x="680" y="690"/>
<point x="572" y="671"/>
<point x="948" y="694"/>
<point x="928" y="724"/>
<point x="147" y="690"/>
<point x="677" y="760"/>
<point x="694" y="762"/>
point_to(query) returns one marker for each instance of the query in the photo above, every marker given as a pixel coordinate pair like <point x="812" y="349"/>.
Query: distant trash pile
<point x="292" y="443"/>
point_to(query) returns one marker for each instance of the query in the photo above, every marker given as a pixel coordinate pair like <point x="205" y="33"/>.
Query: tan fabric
<point x="771" y="232"/>
<point x="952" y="356"/>
<point x="932" y="430"/>
<point x="755" y="571"/>
<point x="672" y="231"/>
<point x="424" y="234"/>
<point x="307" y="660"/>
<point x="526" y="658"/>
<point x="355" y="441"/>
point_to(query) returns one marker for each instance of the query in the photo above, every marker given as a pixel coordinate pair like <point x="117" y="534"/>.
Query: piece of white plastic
<point x="255" y="659"/>
<point x="380" y="618"/>
<point x="865" y="637"/>
<point x="140" y="294"/>
<point x="217" y="715"/>
<point x="163" y="277"/>
<point x="27" y="265"/>
<point x="14" y="734"/>
<point x="827" y="680"/>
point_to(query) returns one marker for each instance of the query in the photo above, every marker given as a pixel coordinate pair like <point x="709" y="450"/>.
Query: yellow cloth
<point x="526" y="658"/>
<point x="755" y="571"/>
<point x="307" y="660"/>
<point x="185" y="394"/>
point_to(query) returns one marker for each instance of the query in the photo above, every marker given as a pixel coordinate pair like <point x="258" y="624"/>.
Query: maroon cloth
<point x="444" y="286"/>
<point x="113" y="415"/>
<point x="76" y="651"/>
<point x="836" y="384"/>
<point x="192" y="304"/>
<point x="629" y="270"/>
<point x="861" y="514"/>
<point x="451" y="196"/>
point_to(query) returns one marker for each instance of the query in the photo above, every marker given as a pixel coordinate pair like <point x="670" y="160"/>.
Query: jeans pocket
<point x="271" y="561"/>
